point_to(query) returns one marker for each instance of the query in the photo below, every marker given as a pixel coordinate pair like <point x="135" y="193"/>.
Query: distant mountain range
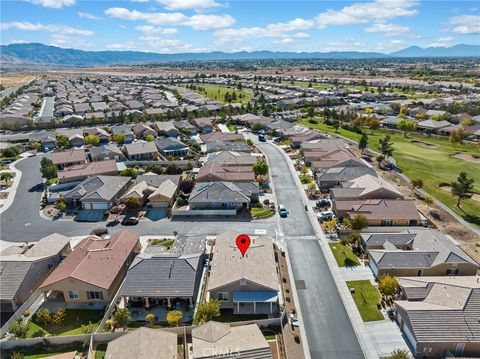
<point x="43" y="55"/>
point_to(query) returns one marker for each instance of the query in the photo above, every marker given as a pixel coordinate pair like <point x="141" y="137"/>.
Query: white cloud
<point x="388" y="29"/>
<point x="62" y="40"/>
<point x="464" y="24"/>
<point x="286" y="40"/>
<point x="149" y="29"/>
<point x="54" y="4"/>
<point x="364" y="12"/>
<point x="280" y="30"/>
<point x="168" y="46"/>
<point x="28" y="26"/>
<point x="129" y="45"/>
<point x="16" y="41"/>
<point x="197" y="21"/>
<point x="445" y="39"/>
<point x="86" y="15"/>
<point x="188" y="4"/>
<point x="301" y="35"/>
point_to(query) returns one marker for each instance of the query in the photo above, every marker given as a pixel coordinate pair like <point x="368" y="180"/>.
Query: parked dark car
<point x="130" y="221"/>
<point x="262" y="138"/>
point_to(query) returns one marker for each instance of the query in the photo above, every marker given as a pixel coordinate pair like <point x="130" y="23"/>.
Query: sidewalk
<point x="12" y="191"/>
<point x="378" y="338"/>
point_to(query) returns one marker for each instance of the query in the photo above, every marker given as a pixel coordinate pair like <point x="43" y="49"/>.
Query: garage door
<point x="99" y="205"/>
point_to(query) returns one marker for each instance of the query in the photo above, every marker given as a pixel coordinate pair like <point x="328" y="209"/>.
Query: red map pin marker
<point x="243" y="242"/>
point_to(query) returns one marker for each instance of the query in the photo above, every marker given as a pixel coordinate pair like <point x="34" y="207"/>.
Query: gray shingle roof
<point x="12" y="275"/>
<point x="167" y="275"/>
<point x="207" y="192"/>
<point x="104" y="187"/>
<point x="342" y="174"/>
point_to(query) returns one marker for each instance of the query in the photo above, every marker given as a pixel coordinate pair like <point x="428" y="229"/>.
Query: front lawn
<point x="261" y="212"/>
<point x="343" y="255"/>
<point x="306" y="179"/>
<point x="366" y="298"/>
<point x="100" y="351"/>
<point x="72" y="324"/>
<point x="162" y="242"/>
<point x="427" y="158"/>
<point x="37" y="352"/>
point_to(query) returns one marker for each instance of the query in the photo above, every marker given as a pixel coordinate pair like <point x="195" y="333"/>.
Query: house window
<point x="94" y="295"/>
<point x="452" y="271"/>
<point x="73" y="294"/>
<point x="223" y="296"/>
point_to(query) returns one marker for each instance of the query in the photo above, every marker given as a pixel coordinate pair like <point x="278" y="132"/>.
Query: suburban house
<point x="69" y="158"/>
<point x="337" y="159"/>
<point x="439" y="315"/>
<point x="231" y="158"/>
<point x="417" y="252"/>
<point x="142" y="131"/>
<point x="24" y="268"/>
<point x="204" y="124"/>
<point x="94" y="270"/>
<point x="75" y="136"/>
<point x="163" y="280"/>
<point x="223" y="195"/>
<point x="237" y="146"/>
<point x="144" y="343"/>
<point x="166" y="128"/>
<point x="334" y="176"/>
<point x="185" y="127"/>
<point x="432" y="126"/>
<point x="125" y="130"/>
<point x="98" y="192"/>
<point x="319" y="152"/>
<point x="103" y="135"/>
<point x="107" y="152"/>
<point x="247" y="284"/>
<point x="141" y="151"/>
<point x="46" y="138"/>
<point x="220" y="340"/>
<point x="170" y="146"/>
<point x="220" y="136"/>
<point x="380" y="212"/>
<point x="365" y="187"/>
<point x="215" y="171"/>
<point x="80" y="172"/>
<point x="162" y="195"/>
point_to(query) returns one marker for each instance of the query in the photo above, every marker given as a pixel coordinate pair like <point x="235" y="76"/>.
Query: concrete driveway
<point x="328" y="328"/>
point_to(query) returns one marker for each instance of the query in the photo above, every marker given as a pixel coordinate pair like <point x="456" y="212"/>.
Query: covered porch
<point x="255" y="302"/>
<point x="139" y="307"/>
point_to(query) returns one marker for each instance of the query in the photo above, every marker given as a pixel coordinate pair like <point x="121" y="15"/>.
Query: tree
<point x="92" y="140"/>
<point x="310" y="111"/>
<point x="400" y="354"/>
<point x="428" y="200"/>
<point x="60" y="204"/>
<point x="43" y="316"/>
<point x="456" y="137"/>
<point x="355" y="239"/>
<point x="257" y="127"/>
<point x="403" y="112"/>
<point x="128" y="172"/>
<point x="10" y="152"/>
<point x="386" y="146"/>
<point x="122" y="317"/>
<point x="118" y="138"/>
<point x="174" y="317"/>
<point x="133" y="202"/>
<point x="387" y="284"/>
<point x="63" y="141"/>
<point x="49" y="171"/>
<point x="18" y="329"/>
<point x="172" y="169"/>
<point x="359" y="222"/>
<point x="249" y="142"/>
<point x="149" y="138"/>
<point x="406" y="126"/>
<point x="150" y="318"/>
<point x="58" y="317"/>
<point x="37" y="146"/>
<point x="336" y="125"/>
<point x="260" y="168"/>
<point x="417" y="183"/>
<point x="363" y="143"/>
<point x="462" y="187"/>
<point x="207" y="311"/>
<point x="186" y="186"/>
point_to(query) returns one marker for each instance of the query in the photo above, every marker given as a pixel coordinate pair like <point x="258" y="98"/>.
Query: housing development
<point x="259" y="204"/>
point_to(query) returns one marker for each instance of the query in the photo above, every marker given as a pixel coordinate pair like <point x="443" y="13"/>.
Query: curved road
<point x="21" y="222"/>
<point x="326" y="322"/>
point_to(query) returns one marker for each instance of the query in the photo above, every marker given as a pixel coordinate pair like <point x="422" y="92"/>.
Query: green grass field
<point x="217" y="93"/>
<point x="433" y="165"/>
<point x="366" y="298"/>
<point x="344" y="255"/>
<point x="261" y="212"/>
<point x="69" y="326"/>
<point x="100" y="351"/>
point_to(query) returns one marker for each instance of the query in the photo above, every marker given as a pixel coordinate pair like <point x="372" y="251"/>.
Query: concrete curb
<point x="16" y="182"/>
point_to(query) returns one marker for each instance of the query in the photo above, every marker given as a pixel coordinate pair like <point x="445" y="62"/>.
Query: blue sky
<point x="172" y="26"/>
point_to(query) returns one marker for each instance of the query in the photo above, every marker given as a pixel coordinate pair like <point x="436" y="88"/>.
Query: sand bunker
<point x="446" y="187"/>
<point x="467" y="157"/>
<point x="423" y="144"/>
<point x="476" y="197"/>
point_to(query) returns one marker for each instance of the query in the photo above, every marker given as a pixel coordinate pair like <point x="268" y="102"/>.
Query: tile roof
<point x="214" y="171"/>
<point x="96" y="260"/>
<point x="69" y="156"/>
<point x="220" y="136"/>
<point x="140" y="147"/>
<point x="88" y="169"/>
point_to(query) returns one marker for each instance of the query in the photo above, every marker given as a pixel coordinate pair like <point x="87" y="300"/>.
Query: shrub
<point x="297" y="338"/>
<point x="150" y="318"/>
<point x="18" y="329"/>
<point x="43" y="316"/>
<point x="266" y="202"/>
<point x="26" y="313"/>
<point x="122" y="317"/>
<point x="359" y="222"/>
<point x="287" y="299"/>
<point x="284" y="280"/>
<point x="388" y="285"/>
<point x="174" y="317"/>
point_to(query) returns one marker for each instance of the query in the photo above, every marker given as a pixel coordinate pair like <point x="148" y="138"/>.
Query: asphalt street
<point x="22" y="222"/>
<point x="329" y="331"/>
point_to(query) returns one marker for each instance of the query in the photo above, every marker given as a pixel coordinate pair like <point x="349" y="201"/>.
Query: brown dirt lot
<point x="17" y="79"/>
